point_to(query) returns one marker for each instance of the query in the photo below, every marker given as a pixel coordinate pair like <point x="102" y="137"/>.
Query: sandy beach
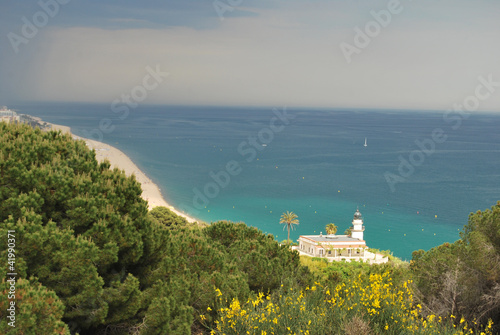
<point x="150" y="191"/>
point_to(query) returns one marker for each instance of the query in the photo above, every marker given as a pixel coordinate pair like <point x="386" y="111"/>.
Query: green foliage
<point x="259" y="256"/>
<point x="331" y="228"/>
<point x="44" y="252"/>
<point x="334" y="273"/>
<point x="168" y="310"/>
<point x="289" y="219"/>
<point x="463" y="278"/>
<point x="389" y="255"/>
<point x="313" y="263"/>
<point x="36" y="308"/>
<point x="166" y="217"/>
<point x="365" y="304"/>
<point x="289" y="243"/>
<point x="83" y="231"/>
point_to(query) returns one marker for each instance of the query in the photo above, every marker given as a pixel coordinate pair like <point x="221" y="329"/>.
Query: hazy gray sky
<point x="429" y="55"/>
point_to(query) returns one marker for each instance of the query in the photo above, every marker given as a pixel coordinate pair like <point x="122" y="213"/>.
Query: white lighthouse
<point x="341" y="247"/>
<point x="357" y="226"/>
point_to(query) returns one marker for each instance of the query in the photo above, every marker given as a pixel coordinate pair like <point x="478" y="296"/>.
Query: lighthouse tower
<point x="357" y="226"/>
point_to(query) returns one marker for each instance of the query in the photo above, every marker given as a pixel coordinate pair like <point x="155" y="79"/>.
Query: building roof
<point x="331" y="238"/>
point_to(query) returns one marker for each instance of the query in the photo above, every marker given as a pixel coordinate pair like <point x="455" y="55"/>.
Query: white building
<point x="340" y="247"/>
<point x="6" y="115"/>
<point x="4" y="111"/>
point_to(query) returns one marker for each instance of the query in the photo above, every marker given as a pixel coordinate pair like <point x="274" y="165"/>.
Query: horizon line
<point x="300" y="107"/>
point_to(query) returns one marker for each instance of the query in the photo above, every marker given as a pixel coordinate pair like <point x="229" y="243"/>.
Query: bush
<point x="365" y="304"/>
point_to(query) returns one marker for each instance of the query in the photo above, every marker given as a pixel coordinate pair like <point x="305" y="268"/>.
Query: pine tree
<point x="36" y="308"/>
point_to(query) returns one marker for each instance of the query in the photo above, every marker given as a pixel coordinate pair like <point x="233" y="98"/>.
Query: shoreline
<point x="150" y="191"/>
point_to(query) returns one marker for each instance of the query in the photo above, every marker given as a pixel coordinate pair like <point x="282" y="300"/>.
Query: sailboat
<point x="365" y="143"/>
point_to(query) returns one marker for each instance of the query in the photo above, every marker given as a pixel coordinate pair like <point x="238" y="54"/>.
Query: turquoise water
<point x="314" y="164"/>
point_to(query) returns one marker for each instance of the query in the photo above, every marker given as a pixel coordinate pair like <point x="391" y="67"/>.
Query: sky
<point x="398" y="54"/>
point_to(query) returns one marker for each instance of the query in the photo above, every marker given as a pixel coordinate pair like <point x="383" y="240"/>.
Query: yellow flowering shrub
<point x="382" y="307"/>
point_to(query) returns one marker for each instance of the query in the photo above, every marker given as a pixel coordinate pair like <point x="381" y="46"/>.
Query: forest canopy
<point x="85" y="238"/>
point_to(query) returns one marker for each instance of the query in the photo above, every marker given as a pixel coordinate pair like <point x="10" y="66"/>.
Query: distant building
<point x="7" y="115"/>
<point x="340" y="247"/>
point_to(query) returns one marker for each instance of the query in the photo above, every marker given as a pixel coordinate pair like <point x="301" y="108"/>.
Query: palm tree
<point x="331" y="229"/>
<point x="289" y="219"/>
<point x="348" y="231"/>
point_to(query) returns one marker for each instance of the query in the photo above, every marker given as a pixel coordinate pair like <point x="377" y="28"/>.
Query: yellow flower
<point x="209" y="309"/>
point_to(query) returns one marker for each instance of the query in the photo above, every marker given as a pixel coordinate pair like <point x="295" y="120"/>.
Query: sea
<point x="417" y="179"/>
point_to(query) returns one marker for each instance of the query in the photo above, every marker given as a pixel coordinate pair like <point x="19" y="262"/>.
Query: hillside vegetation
<point x="91" y="259"/>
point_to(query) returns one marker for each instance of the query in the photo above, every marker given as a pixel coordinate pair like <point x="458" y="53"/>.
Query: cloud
<point x="286" y="54"/>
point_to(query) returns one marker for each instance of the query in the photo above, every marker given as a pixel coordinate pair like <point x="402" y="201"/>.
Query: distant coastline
<point x="150" y="191"/>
